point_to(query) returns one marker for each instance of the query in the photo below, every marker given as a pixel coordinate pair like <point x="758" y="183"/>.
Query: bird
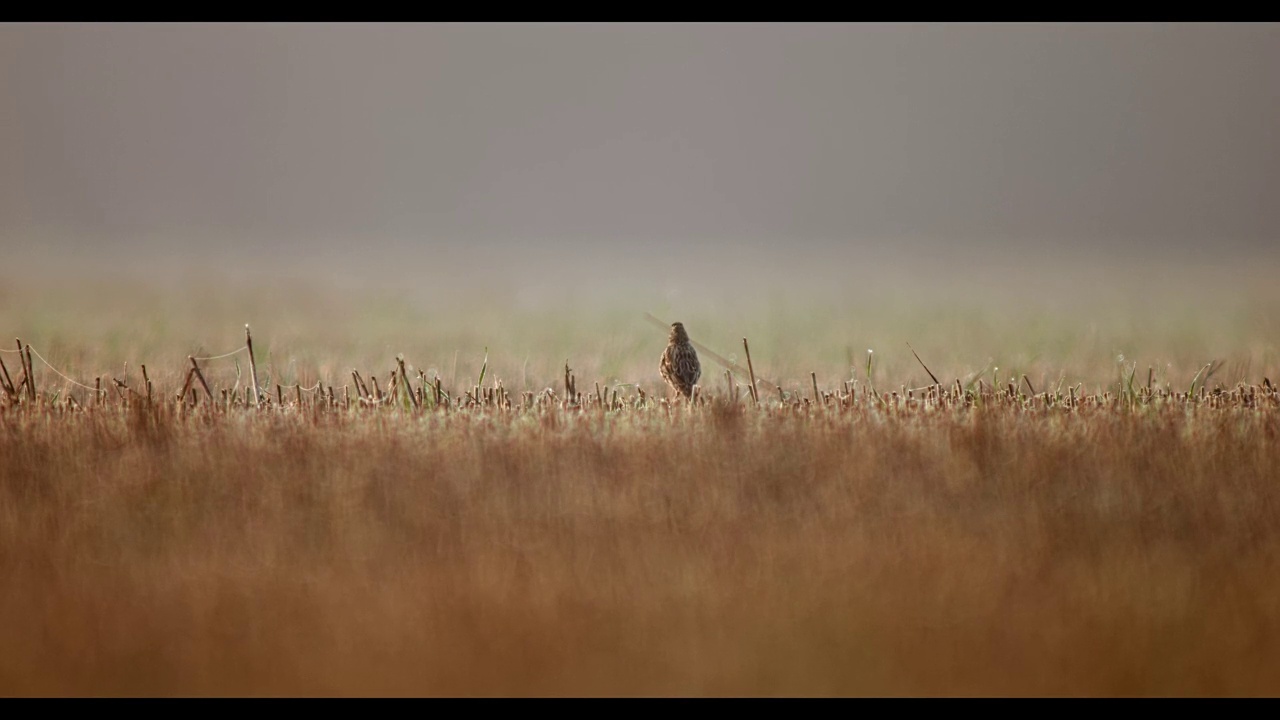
<point x="679" y="365"/>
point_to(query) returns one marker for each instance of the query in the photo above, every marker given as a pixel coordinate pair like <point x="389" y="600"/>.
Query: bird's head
<point x="678" y="334"/>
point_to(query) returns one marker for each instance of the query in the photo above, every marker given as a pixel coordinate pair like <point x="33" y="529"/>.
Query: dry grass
<point x="1079" y="531"/>
<point x="982" y="545"/>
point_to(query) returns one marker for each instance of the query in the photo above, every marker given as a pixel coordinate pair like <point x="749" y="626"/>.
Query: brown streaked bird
<point x="680" y="367"/>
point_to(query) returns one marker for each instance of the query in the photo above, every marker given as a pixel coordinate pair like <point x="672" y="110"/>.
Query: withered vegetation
<point x="397" y="511"/>
<point x="398" y="536"/>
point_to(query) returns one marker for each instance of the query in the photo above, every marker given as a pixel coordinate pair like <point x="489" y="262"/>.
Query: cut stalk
<point x="195" y="368"/>
<point x="8" y="382"/>
<point x="25" y="356"/>
<point x="191" y="373"/>
<point x="253" y="364"/>
<point x="404" y="377"/>
<point x="146" y="381"/>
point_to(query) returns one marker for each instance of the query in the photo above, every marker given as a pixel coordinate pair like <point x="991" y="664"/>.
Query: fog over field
<point x="644" y="153"/>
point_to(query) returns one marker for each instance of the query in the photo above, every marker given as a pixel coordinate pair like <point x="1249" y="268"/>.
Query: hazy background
<point x="1082" y="175"/>
<point x="746" y="137"/>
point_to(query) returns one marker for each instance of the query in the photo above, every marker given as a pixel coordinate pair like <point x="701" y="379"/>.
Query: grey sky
<point x="1138" y="135"/>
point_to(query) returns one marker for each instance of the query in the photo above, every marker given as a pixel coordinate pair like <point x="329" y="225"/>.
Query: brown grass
<point x="940" y="544"/>
<point x="1048" y="520"/>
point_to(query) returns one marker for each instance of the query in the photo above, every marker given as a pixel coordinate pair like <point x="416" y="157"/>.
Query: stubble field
<point x="1048" y="517"/>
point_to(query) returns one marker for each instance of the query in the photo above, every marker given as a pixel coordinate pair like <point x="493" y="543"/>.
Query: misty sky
<point x="764" y="134"/>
